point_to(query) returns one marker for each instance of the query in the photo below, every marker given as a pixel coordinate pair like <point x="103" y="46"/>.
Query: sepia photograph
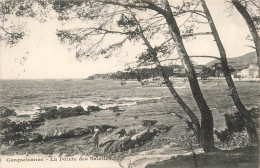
<point x="129" y="83"/>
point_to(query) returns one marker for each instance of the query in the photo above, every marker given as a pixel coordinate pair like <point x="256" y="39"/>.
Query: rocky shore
<point x="112" y="140"/>
<point x="141" y="144"/>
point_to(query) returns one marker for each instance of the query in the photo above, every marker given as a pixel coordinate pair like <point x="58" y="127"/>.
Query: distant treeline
<point x="173" y="70"/>
<point x="136" y="74"/>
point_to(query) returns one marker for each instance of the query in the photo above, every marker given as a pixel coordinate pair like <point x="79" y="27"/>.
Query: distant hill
<point x="237" y="63"/>
<point x="240" y="62"/>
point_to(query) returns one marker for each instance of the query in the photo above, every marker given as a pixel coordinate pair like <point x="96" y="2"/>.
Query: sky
<point x="41" y="56"/>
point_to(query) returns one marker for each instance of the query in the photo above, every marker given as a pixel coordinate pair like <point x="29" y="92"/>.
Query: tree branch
<point x="196" y="34"/>
<point x="127" y="4"/>
<point x="189" y="123"/>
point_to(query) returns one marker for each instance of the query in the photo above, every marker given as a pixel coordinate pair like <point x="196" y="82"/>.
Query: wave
<point x="160" y="87"/>
<point x="139" y="98"/>
<point x="180" y="87"/>
<point x="152" y="87"/>
<point x="27" y="110"/>
<point x="107" y="106"/>
<point x="123" y="101"/>
<point x="84" y="104"/>
<point x="107" y="99"/>
<point x="128" y="104"/>
<point x="66" y="105"/>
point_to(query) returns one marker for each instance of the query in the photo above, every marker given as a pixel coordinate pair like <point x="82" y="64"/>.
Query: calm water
<point x="26" y="96"/>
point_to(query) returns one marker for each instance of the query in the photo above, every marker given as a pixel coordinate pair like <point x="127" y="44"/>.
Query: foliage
<point x="140" y="74"/>
<point x="108" y="18"/>
<point x="253" y="9"/>
<point x="145" y="73"/>
<point x="235" y="140"/>
<point x="13" y="32"/>
<point x="236" y="125"/>
<point x="187" y="139"/>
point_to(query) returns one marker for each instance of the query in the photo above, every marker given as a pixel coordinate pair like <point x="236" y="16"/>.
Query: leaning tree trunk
<point x="194" y="125"/>
<point x="243" y="11"/>
<point x="239" y="105"/>
<point x="207" y="124"/>
<point x="195" y="122"/>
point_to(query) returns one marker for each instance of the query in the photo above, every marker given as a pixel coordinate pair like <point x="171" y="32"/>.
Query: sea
<point x="149" y="101"/>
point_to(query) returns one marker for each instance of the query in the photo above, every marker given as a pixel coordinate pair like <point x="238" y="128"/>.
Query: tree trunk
<point x="239" y="105"/>
<point x="243" y="11"/>
<point x="194" y="119"/>
<point x="207" y="125"/>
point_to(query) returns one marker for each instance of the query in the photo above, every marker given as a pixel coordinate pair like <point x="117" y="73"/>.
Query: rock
<point x="137" y="136"/>
<point x="148" y="122"/>
<point x="110" y="130"/>
<point x="107" y="146"/>
<point x="57" y="134"/>
<point x="104" y="128"/>
<point x="124" y="142"/>
<point x="93" y="108"/>
<point x="161" y="128"/>
<point x="108" y="139"/>
<point x="36" y="137"/>
<point x="115" y="135"/>
<point x="48" y="108"/>
<point x="129" y="145"/>
<point x="54" y="113"/>
<point x="68" y="134"/>
<point x="20" y="141"/>
<point x="136" y="117"/>
<point x="77" y="109"/>
<point x="117" y="114"/>
<point x="105" y="141"/>
<point x="11" y="137"/>
<point x="78" y="132"/>
<point x="115" y="147"/>
<point x="121" y="132"/>
<point x="114" y="109"/>
<point x="5" y="123"/>
<point x="12" y="132"/>
<point x="24" y="115"/>
<point x="173" y="144"/>
<point x="47" y="151"/>
<point x="50" y="113"/>
<point x="143" y="136"/>
<point x="119" y="141"/>
<point x="5" y="112"/>
<point x="36" y="122"/>
<point x="148" y="136"/>
<point x="131" y="132"/>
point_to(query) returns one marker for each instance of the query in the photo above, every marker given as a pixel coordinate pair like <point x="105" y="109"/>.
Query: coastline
<point x="132" y="110"/>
